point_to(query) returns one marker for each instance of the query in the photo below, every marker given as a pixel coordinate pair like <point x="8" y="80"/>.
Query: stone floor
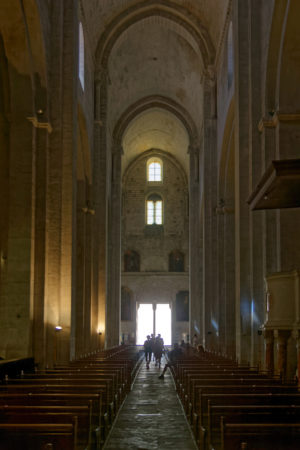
<point x="151" y="416"/>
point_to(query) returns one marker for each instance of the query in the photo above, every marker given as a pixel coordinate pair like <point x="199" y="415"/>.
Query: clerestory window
<point x="154" y="210"/>
<point x="154" y="170"/>
<point x="81" y="56"/>
<point x="230" y="67"/>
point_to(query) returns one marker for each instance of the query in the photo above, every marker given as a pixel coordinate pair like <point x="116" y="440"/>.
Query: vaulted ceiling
<point x="156" y="49"/>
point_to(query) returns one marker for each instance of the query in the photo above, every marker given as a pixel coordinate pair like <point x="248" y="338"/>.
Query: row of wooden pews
<point x="234" y="407"/>
<point x="70" y="407"/>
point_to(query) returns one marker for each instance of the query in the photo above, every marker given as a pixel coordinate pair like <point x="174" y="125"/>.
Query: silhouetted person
<point x="173" y="356"/>
<point x="148" y="351"/>
<point x="158" y="349"/>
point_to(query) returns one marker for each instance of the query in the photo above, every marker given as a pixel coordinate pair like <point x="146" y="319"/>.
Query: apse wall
<point x="153" y="279"/>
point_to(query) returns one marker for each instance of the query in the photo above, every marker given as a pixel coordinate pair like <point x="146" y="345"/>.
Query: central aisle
<point x="151" y="416"/>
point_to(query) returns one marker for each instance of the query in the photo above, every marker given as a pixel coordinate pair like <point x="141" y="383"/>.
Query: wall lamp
<point x="58" y="328"/>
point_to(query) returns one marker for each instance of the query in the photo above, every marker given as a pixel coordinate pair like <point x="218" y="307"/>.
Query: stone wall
<point x="154" y="243"/>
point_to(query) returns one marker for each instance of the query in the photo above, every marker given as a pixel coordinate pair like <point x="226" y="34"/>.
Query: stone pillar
<point x="4" y="168"/>
<point x="269" y="350"/>
<point x="113" y="306"/>
<point x="255" y="173"/>
<point x="90" y="326"/>
<point x="100" y="196"/>
<point x="243" y="239"/>
<point x="60" y="287"/>
<point x="195" y="263"/>
<point x="225" y="218"/>
<point x="41" y="130"/>
<point x="282" y="338"/>
<point x="80" y="276"/>
<point x="209" y="195"/>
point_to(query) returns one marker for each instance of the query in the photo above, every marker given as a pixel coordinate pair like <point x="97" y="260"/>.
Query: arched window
<point x="131" y="261"/>
<point x="154" y="210"/>
<point x="154" y="170"/>
<point x="81" y="56"/>
<point x="229" y="56"/>
<point x="176" y="261"/>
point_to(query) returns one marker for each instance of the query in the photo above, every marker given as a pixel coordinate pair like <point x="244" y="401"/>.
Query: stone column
<point x="243" y="239"/>
<point x="208" y="196"/>
<point x="41" y="130"/>
<point x="195" y="263"/>
<point x="100" y="196"/>
<point x="269" y="350"/>
<point x="113" y="306"/>
<point x="60" y="287"/>
<point x="282" y="339"/>
<point x="90" y="326"/>
<point x="255" y="173"/>
<point x="80" y="276"/>
<point x="17" y="140"/>
<point x="225" y="218"/>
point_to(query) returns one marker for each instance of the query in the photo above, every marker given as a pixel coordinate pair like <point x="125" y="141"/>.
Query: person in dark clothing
<point x="158" y="349"/>
<point x="173" y="356"/>
<point x="148" y="351"/>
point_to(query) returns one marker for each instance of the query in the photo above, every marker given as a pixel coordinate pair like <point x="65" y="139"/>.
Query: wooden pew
<point x="17" y="414"/>
<point x="25" y="436"/>
<point x="99" y="428"/>
<point x="52" y="414"/>
<point x="200" y="422"/>
<point x="245" y="414"/>
<point x="114" y="392"/>
<point x="104" y="367"/>
<point x="260" y="436"/>
<point x="189" y="397"/>
<point x="105" y="376"/>
<point x="62" y="383"/>
<point x="237" y="389"/>
<point x="118" y="388"/>
<point x="198" y="382"/>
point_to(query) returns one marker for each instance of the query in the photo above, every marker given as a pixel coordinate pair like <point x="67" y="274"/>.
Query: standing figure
<point x="152" y="340"/>
<point x="158" y="349"/>
<point x="148" y="351"/>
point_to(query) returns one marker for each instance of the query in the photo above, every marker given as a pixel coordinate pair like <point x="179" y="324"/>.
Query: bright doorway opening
<point x="163" y="322"/>
<point x="154" y="319"/>
<point x="144" y="322"/>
